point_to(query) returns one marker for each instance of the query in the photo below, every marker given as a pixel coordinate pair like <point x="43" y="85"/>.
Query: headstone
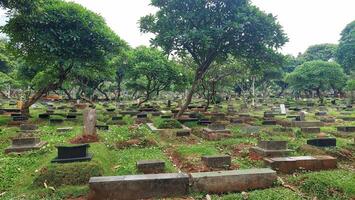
<point x="183" y="133"/>
<point x="322" y="142"/>
<point x="223" y="161"/>
<point x="90" y="121"/>
<point x="64" y="129"/>
<point x="76" y="153"/>
<point x="271" y="148"/>
<point x="310" y="129"/>
<point x="151" y="166"/>
<point x="302" y="116"/>
<point x="283" y="109"/>
<point x="21" y="144"/>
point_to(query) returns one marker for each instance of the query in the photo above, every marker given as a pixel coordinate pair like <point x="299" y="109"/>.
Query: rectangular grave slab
<point x="269" y="122"/>
<point x="102" y="127"/>
<point x="19" y="118"/>
<point x="214" y="135"/>
<point x="28" y="127"/>
<point x="44" y="116"/>
<point x="271" y="148"/>
<point x="291" y="164"/>
<point x="183" y="133"/>
<point x="323" y="142"/>
<point x="64" y="130"/>
<point x="310" y="130"/>
<point x="233" y="181"/>
<point x="223" y="161"/>
<point x="346" y="128"/>
<point x="303" y="124"/>
<point x="135" y="187"/>
<point x="151" y="166"/>
<point x="75" y="153"/>
<point x="25" y="144"/>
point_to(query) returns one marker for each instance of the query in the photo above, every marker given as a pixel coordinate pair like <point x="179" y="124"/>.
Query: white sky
<point x="306" y="22"/>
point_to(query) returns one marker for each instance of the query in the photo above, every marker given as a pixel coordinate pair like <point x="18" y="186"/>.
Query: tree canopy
<point x="346" y="51"/>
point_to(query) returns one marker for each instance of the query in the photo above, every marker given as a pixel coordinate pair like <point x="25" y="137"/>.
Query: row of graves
<point x="154" y="182"/>
<point x="275" y="154"/>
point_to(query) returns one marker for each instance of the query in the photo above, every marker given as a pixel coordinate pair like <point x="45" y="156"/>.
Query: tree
<point x="56" y="38"/>
<point x="209" y="30"/>
<point x="350" y="87"/>
<point x="218" y="78"/>
<point x="318" y="76"/>
<point x="346" y="50"/>
<point x="325" y="52"/>
<point x="150" y="72"/>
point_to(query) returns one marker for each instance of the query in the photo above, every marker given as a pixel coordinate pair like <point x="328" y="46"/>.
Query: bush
<point x="169" y="124"/>
<point x="77" y="173"/>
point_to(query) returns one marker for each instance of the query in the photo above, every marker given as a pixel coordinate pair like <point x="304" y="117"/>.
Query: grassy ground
<point x="29" y="175"/>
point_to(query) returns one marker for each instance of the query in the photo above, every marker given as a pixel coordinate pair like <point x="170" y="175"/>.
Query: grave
<point x="183" y="133"/>
<point x="142" y="118"/>
<point x="310" y="130"/>
<point x="44" y="116"/>
<point x="55" y="121"/>
<point x="64" y="129"/>
<point x="89" y="122"/>
<point x="151" y="166"/>
<point x="204" y="122"/>
<point x="320" y="113"/>
<point x="24" y="143"/>
<point x="322" y="142"/>
<point x="19" y="118"/>
<point x="102" y="127"/>
<point x="303" y="124"/>
<point x="28" y="127"/>
<point x="74" y="153"/>
<point x="223" y="161"/>
<point x="346" y="128"/>
<point x="216" y="131"/>
<point x="232" y="181"/>
<point x="271" y="148"/>
<point x="132" y="187"/>
<point x="311" y="163"/>
<point x="269" y="122"/>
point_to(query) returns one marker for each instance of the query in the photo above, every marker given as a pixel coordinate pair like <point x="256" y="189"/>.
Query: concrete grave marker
<point x="90" y="121"/>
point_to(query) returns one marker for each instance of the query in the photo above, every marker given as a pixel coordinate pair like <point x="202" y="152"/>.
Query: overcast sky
<point x="306" y="22"/>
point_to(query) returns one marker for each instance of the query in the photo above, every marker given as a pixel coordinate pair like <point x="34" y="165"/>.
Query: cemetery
<point x="213" y="109"/>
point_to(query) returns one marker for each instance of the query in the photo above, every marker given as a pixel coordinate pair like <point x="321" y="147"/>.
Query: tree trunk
<point x="25" y="109"/>
<point x="253" y="91"/>
<point x="3" y="94"/>
<point x="104" y="93"/>
<point x="68" y="94"/>
<point x="189" y="96"/>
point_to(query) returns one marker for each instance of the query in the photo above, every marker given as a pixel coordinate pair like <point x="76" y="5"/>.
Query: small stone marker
<point x="302" y="116"/>
<point x="64" y="129"/>
<point x="223" y="161"/>
<point x="183" y="133"/>
<point x="90" y="121"/>
<point x="269" y="122"/>
<point x="346" y="128"/>
<point x="28" y="127"/>
<point x="151" y="166"/>
<point x="310" y="130"/>
<point x="132" y="187"/>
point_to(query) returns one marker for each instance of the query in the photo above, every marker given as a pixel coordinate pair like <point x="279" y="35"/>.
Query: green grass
<point x="267" y="194"/>
<point x="197" y="150"/>
<point x="327" y="185"/>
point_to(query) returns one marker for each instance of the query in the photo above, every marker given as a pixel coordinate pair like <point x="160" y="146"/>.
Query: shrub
<point x="169" y="124"/>
<point x="77" y="173"/>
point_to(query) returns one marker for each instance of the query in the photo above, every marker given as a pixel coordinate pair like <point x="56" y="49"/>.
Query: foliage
<point x="168" y="124"/>
<point x="346" y="50"/>
<point x="319" y="76"/>
<point x="210" y="30"/>
<point x="338" y="184"/>
<point x="324" y="52"/>
<point x="151" y="72"/>
<point x="67" y="174"/>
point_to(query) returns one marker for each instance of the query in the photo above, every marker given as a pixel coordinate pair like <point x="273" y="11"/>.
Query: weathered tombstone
<point x="90" y="121"/>
<point x="302" y="116"/>
<point x="183" y="133"/>
<point x="223" y="161"/>
<point x="23" y="143"/>
<point x="76" y="153"/>
<point x="322" y="142"/>
<point x="64" y="129"/>
<point x="271" y="148"/>
<point x="102" y="127"/>
<point x="151" y="166"/>
<point x="216" y="131"/>
<point x="28" y="127"/>
<point x="310" y="129"/>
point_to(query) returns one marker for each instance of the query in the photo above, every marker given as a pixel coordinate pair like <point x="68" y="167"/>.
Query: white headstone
<point x="283" y="108"/>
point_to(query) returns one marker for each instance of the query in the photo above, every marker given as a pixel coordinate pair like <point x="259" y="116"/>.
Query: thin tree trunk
<point x="67" y="93"/>
<point x="253" y="91"/>
<point x="188" y="97"/>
